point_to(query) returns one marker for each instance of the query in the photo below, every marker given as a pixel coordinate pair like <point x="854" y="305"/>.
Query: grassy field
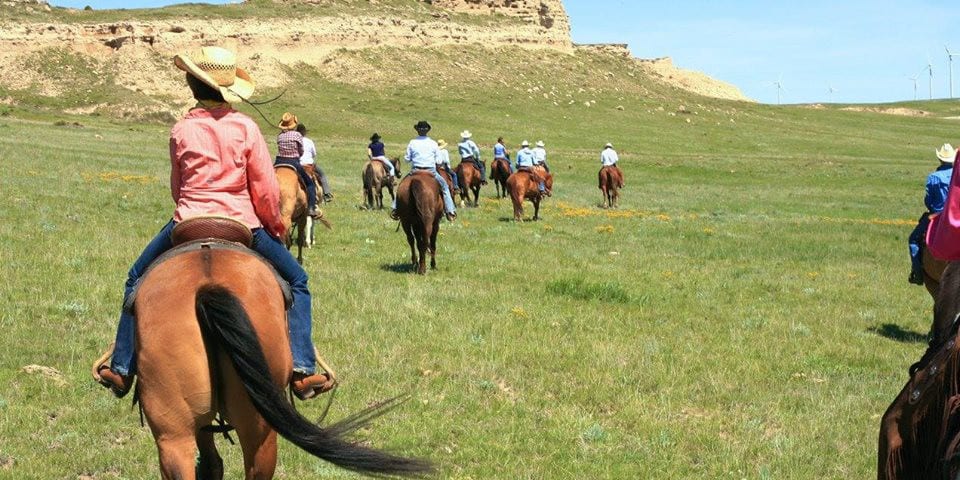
<point x="744" y="314"/>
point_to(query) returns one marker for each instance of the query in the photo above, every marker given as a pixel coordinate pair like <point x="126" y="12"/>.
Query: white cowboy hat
<point x="465" y="134"/>
<point x="946" y="153"/>
<point x="608" y="145"/>
<point x="217" y="67"/>
<point x="539" y="143"/>
<point x="524" y="143"/>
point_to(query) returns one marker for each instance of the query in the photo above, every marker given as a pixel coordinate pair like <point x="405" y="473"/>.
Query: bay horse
<point x="374" y="178"/>
<point x="611" y="181"/>
<point x="420" y="208"/>
<point x="523" y="186"/>
<point x="470" y="181"/>
<point x="212" y="339"/>
<point x="500" y="172"/>
<point x="447" y="178"/>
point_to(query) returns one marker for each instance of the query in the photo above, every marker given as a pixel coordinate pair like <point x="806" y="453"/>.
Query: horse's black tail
<point x="224" y="320"/>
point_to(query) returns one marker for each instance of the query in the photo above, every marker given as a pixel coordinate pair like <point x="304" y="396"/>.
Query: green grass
<point x="744" y="314"/>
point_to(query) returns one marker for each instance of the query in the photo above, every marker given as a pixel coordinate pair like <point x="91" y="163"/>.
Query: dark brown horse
<point x="448" y="179"/>
<point x="470" y="181"/>
<point x="375" y="179"/>
<point x="212" y="340"/>
<point x="500" y="172"/>
<point x="932" y="271"/>
<point x="523" y="185"/>
<point x="920" y="431"/>
<point x="420" y="208"/>
<point x="611" y="181"/>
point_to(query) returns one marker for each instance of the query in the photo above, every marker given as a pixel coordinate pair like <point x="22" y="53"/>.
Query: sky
<point x="845" y="51"/>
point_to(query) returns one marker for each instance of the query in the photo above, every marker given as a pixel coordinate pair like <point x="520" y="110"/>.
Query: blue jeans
<point x="307" y="181"/>
<point x="452" y="173"/>
<point x="916" y="239"/>
<point x="298" y="317"/>
<point x="447" y="199"/>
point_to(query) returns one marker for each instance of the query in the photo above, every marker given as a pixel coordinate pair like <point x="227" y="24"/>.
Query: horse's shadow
<point x="895" y="332"/>
<point x="405" y="267"/>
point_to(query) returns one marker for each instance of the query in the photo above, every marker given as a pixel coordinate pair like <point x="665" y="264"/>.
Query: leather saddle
<point x="215" y="233"/>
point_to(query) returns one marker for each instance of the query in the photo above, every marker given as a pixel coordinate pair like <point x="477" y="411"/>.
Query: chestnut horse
<point x="523" y="186"/>
<point x="500" y="172"/>
<point x="469" y="177"/>
<point x="611" y="180"/>
<point x="293" y="207"/>
<point x="375" y="179"/>
<point x="420" y="208"/>
<point x="212" y="339"/>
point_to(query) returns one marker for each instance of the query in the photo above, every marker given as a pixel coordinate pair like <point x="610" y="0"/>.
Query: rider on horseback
<point x="470" y="152"/>
<point x="422" y="154"/>
<point x="443" y="161"/>
<point x="377" y="151"/>
<point x="500" y="153"/>
<point x="525" y="162"/>
<point x="938" y="184"/>
<point x="309" y="163"/>
<point x="540" y="156"/>
<point x="221" y="167"/>
<point x="289" y="151"/>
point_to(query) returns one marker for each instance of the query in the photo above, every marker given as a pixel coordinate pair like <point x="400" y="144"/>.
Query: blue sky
<point x="866" y="50"/>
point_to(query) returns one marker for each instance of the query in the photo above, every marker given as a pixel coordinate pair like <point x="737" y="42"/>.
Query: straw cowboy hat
<point x="524" y="143"/>
<point x="442" y="143"/>
<point x="946" y="153"/>
<point x="217" y="67"/>
<point x="608" y="145"/>
<point x="465" y="134"/>
<point x="288" y="121"/>
<point x="539" y="143"/>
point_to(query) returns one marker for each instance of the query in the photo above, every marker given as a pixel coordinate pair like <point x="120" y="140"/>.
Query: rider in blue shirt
<point x="500" y="151"/>
<point x="525" y="162"/>
<point x="938" y="183"/>
<point x="470" y="152"/>
<point x="422" y="154"/>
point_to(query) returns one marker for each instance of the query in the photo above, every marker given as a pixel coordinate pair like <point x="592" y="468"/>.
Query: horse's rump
<point x="610" y="177"/>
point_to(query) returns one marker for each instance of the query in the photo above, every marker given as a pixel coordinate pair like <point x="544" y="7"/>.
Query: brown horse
<point x="447" y="178"/>
<point x="212" y="339"/>
<point x="920" y="431"/>
<point x="523" y="186"/>
<point x="932" y="271"/>
<point x="375" y="179"/>
<point x="420" y="208"/>
<point x="500" y="172"/>
<point x="293" y="207"/>
<point x="611" y="181"/>
<point x="470" y="180"/>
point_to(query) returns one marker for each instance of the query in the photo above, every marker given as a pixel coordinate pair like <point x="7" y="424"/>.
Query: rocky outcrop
<point x="549" y="14"/>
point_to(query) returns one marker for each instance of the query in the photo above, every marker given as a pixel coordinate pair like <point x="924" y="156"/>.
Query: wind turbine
<point x="930" y="69"/>
<point x="914" y="78"/>
<point x="950" y="59"/>
<point x="832" y="91"/>
<point x="779" y="85"/>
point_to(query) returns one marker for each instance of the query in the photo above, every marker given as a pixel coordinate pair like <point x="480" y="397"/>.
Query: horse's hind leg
<point x="177" y="457"/>
<point x="211" y="465"/>
<point x="433" y="246"/>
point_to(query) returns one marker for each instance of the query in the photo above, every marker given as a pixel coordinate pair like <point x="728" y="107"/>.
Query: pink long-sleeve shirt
<point x="943" y="235"/>
<point x="220" y="165"/>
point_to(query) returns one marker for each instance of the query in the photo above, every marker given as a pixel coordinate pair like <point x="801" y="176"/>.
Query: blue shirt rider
<point x="422" y="153"/>
<point x="525" y="162"/>
<point x="469" y="151"/>
<point x="938" y="183"/>
<point x="500" y="152"/>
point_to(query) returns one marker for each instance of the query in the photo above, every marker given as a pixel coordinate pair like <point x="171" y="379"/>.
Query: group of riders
<point x="425" y="154"/>
<point x="221" y="167"/>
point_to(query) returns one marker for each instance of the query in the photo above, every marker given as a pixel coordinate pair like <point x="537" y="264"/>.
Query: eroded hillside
<point x="118" y="61"/>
